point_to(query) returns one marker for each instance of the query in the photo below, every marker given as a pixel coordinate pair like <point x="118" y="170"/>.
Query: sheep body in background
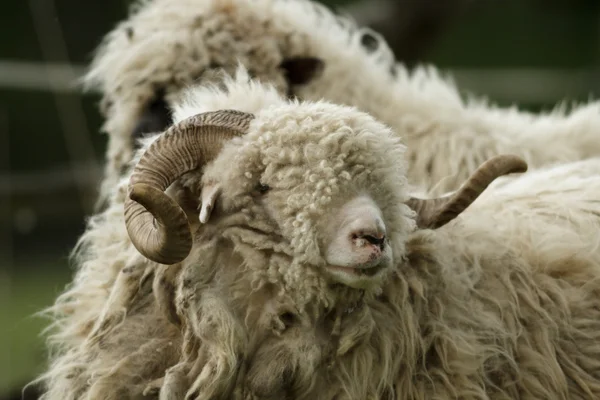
<point x="306" y="51"/>
<point x="273" y="292"/>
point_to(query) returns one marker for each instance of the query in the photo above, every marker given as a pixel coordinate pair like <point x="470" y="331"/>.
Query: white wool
<point x="240" y="91"/>
<point x="172" y="43"/>
<point x="559" y="201"/>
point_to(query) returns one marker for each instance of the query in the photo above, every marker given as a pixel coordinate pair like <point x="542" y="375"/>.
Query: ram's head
<point x="314" y="184"/>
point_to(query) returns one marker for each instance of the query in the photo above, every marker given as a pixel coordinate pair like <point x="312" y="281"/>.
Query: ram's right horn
<point x="156" y="224"/>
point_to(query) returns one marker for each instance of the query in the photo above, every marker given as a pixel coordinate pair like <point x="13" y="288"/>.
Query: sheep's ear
<point x="301" y="70"/>
<point x="210" y="194"/>
<point x="156" y="117"/>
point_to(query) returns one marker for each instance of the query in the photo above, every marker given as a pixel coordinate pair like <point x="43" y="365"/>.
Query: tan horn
<point x="434" y="213"/>
<point x="156" y="224"/>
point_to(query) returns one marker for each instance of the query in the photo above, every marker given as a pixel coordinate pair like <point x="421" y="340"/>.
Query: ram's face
<point x="326" y="180"/>
<point x="322" y="184"/>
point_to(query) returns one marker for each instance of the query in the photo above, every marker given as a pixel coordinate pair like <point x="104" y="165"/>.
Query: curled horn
<point x="434" y="213"/>
<point x="156" y="224"/>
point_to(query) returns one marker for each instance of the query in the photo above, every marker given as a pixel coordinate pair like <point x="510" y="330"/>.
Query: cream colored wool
<point x="168" y="44"/>
<point x="501" y="303"/>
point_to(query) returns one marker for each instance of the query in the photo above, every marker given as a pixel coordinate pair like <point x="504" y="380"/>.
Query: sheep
<point x="527" y="289"/>
<point x="306" y="51"/>
<point x="271" y="249"/>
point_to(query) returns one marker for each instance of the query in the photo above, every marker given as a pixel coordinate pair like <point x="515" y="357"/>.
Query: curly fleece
<point x="169" y="44"/>
<point x="467" y="311"/>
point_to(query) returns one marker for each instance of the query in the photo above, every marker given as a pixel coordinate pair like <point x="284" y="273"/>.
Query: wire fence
<point x="531" y="85"/>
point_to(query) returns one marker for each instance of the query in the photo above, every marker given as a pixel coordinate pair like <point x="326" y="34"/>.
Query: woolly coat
<point x="501" y="303"/>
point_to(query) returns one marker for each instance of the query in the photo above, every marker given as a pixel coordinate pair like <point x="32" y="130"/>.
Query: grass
<point x="25" y="291"/>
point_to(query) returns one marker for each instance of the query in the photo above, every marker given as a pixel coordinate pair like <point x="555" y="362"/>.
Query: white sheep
<point x="306" y="51"/>
<point x="298" y="269"/>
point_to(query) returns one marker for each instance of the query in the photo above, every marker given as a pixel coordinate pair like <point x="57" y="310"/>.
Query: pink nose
<point x="359" y="239"/>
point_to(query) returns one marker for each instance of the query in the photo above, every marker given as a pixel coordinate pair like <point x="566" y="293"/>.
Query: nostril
<point x="378" y="241"/>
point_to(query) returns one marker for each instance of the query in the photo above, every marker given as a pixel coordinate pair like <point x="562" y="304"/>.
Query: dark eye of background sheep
<point x="156" y="117"/>
<point x="301" y="70"/>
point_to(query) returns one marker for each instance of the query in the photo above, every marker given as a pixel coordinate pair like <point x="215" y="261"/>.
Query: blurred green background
<point x="534" y="53"/>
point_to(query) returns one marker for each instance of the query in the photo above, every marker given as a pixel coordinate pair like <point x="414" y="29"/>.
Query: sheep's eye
<point x="262" y="188"/>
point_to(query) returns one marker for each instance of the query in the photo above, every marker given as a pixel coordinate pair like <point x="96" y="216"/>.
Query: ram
<point x="276" y="252"/>
<point x="306" y="51"/>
